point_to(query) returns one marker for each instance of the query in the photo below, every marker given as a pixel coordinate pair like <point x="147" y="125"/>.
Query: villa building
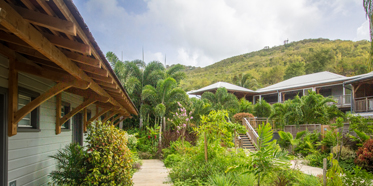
<point x="54" y="81"/>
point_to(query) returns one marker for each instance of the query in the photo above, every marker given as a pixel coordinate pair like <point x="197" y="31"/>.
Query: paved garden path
<point x="152" y="172"/>
<point x="306" y="169"/>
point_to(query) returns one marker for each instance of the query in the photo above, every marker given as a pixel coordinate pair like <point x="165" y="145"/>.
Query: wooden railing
<point x="256" y="121"/>
<point x="364" y="104"/>
<point x="343" y="100"/>
<point x="251" y="133"/>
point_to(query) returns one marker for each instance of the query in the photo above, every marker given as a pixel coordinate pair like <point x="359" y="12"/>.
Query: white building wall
<point x="28" y="152"/>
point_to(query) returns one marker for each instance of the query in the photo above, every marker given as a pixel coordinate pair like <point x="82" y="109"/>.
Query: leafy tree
<point x="272" y="76"/>
<point x="262" y="109"/>
<point x="318" y="61"/>
<point x="222" y="100"/>
<point x="199" y="107"/>
<point x="294" y="69"/>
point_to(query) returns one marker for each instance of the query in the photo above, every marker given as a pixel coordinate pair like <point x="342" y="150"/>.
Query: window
<point x="30" y="123"/>
<point x="65" y="109"/>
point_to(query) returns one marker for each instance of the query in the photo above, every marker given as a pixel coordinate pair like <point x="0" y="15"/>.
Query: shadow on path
<point x="152" y="172"/>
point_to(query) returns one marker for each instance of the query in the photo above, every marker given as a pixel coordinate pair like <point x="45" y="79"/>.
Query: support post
<point x="85" y="119"/>
<point x="98" y="115"/>
<point x="120" y="121"/>
<point x="58" y="113"/>
<point x="13" y="98"/>
<point x="324" y="171"/>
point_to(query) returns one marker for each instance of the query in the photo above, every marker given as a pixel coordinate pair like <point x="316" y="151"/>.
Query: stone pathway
<point x="306" y="169"/>
<point x="152" y="172"/>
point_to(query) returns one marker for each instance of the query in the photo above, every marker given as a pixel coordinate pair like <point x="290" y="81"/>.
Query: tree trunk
<point x="164" y="124"/>
<point x="340" y="148"/>
<point x="141" y="123"/>
<point x="160" y="139"/>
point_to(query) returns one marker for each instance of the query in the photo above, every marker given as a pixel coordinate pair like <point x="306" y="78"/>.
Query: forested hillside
<point x="271" y="65"/>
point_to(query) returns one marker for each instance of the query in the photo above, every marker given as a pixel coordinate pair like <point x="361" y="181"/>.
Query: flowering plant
<point x="181" y="119"/>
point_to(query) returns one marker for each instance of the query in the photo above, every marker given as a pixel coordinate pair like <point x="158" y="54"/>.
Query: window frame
<point x="68" y="122"/>
<point x="35" y="114"/>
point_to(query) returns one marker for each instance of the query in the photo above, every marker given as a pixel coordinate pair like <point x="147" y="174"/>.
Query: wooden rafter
<point x="87" y="94"/>
<point x="98" y="71"/>
<point x="358" y="86"/>
<point x="116" y="118"/>
<point x="120" y="121"/>
<point x="60" y="87"/>
<point x="47" y="21"/>
<point x="109" y="116"/>
<point x="104" y="111"/>
<point x="100" y="78"/>
<point x="14" y="22"/>
<point x="79" y="108"/>
<point x="82" y="59"/>
<point x="68" y="44"/>
<point x="109" y="85"/>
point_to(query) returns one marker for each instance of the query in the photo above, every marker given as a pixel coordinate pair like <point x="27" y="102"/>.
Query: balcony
<point x="341" y="101"/>
<point x="364" y="104"/>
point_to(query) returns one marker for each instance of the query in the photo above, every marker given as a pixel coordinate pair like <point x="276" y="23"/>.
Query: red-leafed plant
<point x="239" y="116"/>
<point x="364" y="155"/>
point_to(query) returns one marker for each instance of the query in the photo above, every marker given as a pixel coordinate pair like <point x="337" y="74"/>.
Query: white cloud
<point x="195" y="32"/>
<point x="363" y="31"/>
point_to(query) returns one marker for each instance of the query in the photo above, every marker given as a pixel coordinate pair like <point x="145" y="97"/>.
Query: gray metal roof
<point x="360" y="78"/>
<point x="306" y="80"/>
<point x="228" y="86"/>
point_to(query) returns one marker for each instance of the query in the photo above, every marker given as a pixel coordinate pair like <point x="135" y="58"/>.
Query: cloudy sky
<point x="202" y="32"/>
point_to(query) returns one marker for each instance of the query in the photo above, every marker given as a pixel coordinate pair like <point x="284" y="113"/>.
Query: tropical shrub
<point x="180" y="120"/>
<point x="287" y="140"/>
<point x="239" y="116"/>
<point x="308" y="144"/>
<point x="316" y="160"/>
<point x="231" y="179"/>
<point x="172" y="159"/>
<point x="335" y="173"/>
<point x="147" y="143"/>
<point x="176" y="147"/>
<point x="357" y="177"/>
<point x="71" y="165"/>
<point x="346" y="153"/>
<point x="360" y="123"/>
<point x="262" y="109"/>
<point x="109" y="158"/>
<point x="364" y="155"/>
<point x="361" y="137"/>
<point x="106" y="160"/>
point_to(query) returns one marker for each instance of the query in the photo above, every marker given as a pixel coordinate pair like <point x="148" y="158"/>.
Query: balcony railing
<point x="343" y="100"/>
<point x="364" y="104"/>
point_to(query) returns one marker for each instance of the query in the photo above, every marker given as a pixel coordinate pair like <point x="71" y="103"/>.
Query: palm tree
<point x="199" y="107"/>
<point x="222" y="100"/>
<point x="368" y="7"/>
<point x="175" y="71"/>
<point x="164" y="96"/>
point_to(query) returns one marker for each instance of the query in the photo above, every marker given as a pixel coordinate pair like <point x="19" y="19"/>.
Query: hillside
<point x="272" y="65"/>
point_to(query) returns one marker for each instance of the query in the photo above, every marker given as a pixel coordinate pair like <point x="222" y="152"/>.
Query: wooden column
<point x="58" y="113"/>
<point x="12" y="98"/>
<point x="85" y="119"/>
<point x="120" y="120"/>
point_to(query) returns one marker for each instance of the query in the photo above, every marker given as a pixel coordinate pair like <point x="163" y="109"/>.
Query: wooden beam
<point x="100" y="78"/>
<point x="114" y="119"/>
<point x="109" y="85"/>
<point x="358" y="86"/>
<point x="104" y="111"/>
<point x="58" y="113"/>
<point x="109" y="116"/>
<point x="112" y="90"/>
<point x="98" y="71"/>
<point x="120" y="120"/>
<point x="68" y="44"/>
<point x="47" y="21"/>
<point x="60" y="87"/>
<point x="87" y="94"/>
<point x="82" y="59"/>
<point x="79" y="108"/>
<point x="12" y="98"/>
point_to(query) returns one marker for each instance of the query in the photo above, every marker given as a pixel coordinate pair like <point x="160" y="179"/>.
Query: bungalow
<point x="325" y="83"/>
<point x="54" y="81"/>
<point x="240" y="92"/>
<point x="362" y="91"/>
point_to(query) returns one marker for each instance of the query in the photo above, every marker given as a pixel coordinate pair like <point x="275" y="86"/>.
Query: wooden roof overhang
<point x="49" y="39"/>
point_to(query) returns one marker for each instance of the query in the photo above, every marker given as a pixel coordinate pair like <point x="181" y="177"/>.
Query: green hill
<point x="272" y="65"/>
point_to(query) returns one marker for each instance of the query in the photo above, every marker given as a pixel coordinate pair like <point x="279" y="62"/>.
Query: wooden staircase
<point x="246" y="143"/>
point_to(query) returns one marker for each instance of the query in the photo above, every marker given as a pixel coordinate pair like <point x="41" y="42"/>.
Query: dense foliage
<point x="268" y="66"/>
